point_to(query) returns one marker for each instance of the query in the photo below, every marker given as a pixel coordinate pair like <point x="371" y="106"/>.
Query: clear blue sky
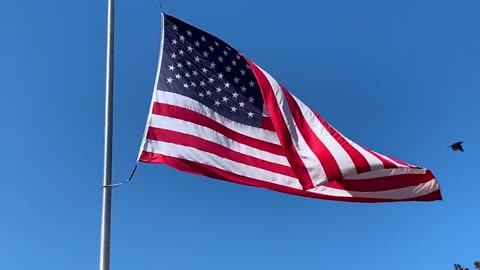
<point x="399" y="77"/>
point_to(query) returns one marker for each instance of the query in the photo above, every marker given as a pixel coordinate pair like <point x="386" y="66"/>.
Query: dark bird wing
<point x="457" y="146"/>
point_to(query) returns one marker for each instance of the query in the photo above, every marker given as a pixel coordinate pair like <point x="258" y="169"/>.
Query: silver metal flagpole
<point x="107" y="161"/>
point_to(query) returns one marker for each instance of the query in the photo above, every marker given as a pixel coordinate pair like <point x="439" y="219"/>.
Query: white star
<point x="203" y="38"/>
<point x="247" y="66"/>
<point x="210" y="80"/>
<point x="187" y="75"/>
<point x="171" y="67"/>
<point x="170" y="80"/>
<point x="251" y="83"/>
<point x="197" y="43"/>
<point x="242" y="72"/>
<point x="182" y="38"/>
<point x="175" y="27"/>
<point x="227" y="85"/>
<point x="195" y="73"/>
<point x="202" y="83"/>
<point x="241" y="104"/>
<point x="189" y="63"/>
<point x="174" y="55"/>
<point x="197" y="59"/>
<point x="219" y="89"/>
<point x="193" y="84"/>
<point x="185" y="85"/>
<point x="228" y="68"/>
<point x="211" y="48"/>
<point x="220" y="59"/>
<point x="225" y="99"/>
<point x="181" y="52"/>
<point x="234" y="62"/>
<point x="236" y="79"/>
<point x="251" y="99"/>
<point x="250" y="114"/>
<point x="204" y="70"/>
<point x="217" y="102"/>
<point x="228" y="48"/>
<point x="225" y="52"/>
<point x="177" y="76"/>
<point x="209" y="92"/>
<point x="189" y="48"/>
<point x="235" y="95"/>
<point x="174" y="42"/>
<point x="205" y="53"/>
<point x="233" y="109"/>
<point x="189" y="33"/>
<point x="179" y="65"/>
<point x="220" y="76"/>
<point x="243" y="88"/>
<point x="201" y="94"/>
<point x="212" y="65"/>
<point x="238" y="56"/>
<point x="216" y="44"/>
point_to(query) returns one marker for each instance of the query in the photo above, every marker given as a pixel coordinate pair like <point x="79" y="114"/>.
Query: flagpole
<point x="107" y="161"/>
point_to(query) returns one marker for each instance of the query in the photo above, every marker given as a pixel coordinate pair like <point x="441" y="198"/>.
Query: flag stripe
<point x="382" y="183"/>
<point x="360" y="163"/>
<point x="180" y="138"/>
<point x="199" y="130"/>
<point x="216" y="161"/>
<point x="195" y="167"/>
<point x="327" y="194"/>
<point x="389" y="179"/>
<point x="400" y="162"/>
<point x="325" y="133"/>
<point x="397" y="194"/>
<point x="328" y="161"/>
<point x="386" y="173"/>
<point x="191" y="116"/>
<point x="374" y="162"/>
<point x="302" y="136"/>
<point x="283" y="132"/>
<point x="397" y="163"/>
<point x="169" y="98"/>
<point x="386" y="163"/>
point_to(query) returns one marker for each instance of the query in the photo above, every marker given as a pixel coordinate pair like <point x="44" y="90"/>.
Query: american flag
<point x="216" y="113"/>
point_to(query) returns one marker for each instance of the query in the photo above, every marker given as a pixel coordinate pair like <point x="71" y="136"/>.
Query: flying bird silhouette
<point x="457" y="146"/>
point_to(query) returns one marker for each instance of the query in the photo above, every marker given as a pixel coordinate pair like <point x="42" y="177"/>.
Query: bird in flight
<point x="457" y="146"/>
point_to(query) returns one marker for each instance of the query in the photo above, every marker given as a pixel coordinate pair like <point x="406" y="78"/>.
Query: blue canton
<point x="199" y="65"/>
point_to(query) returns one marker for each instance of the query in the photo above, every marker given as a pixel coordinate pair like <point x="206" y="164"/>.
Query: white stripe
<point x="193" y="105"/>
<point x="374" y="162"/>
<point x="389" y="159"/>
<point x="385" y="173"/>
<point x="178" y="125"/>
<point x="193" y="154"/>
<point x="345" y="163"/>
<point x="310" y="160"/>
<point x="395" y="194"/>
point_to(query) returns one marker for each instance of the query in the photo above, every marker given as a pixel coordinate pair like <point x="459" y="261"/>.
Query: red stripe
<point x="280" y="126"/>
<point x="199" y="119"/>
<point x="329" y="164"/>
<point x="360" y="162"/>
<point x="387" y="164"/>
<point x="382" y="183"/>
<point x="212" y="172"/>
<point x="170" y="136"/>
<point x="267" y="124"/>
